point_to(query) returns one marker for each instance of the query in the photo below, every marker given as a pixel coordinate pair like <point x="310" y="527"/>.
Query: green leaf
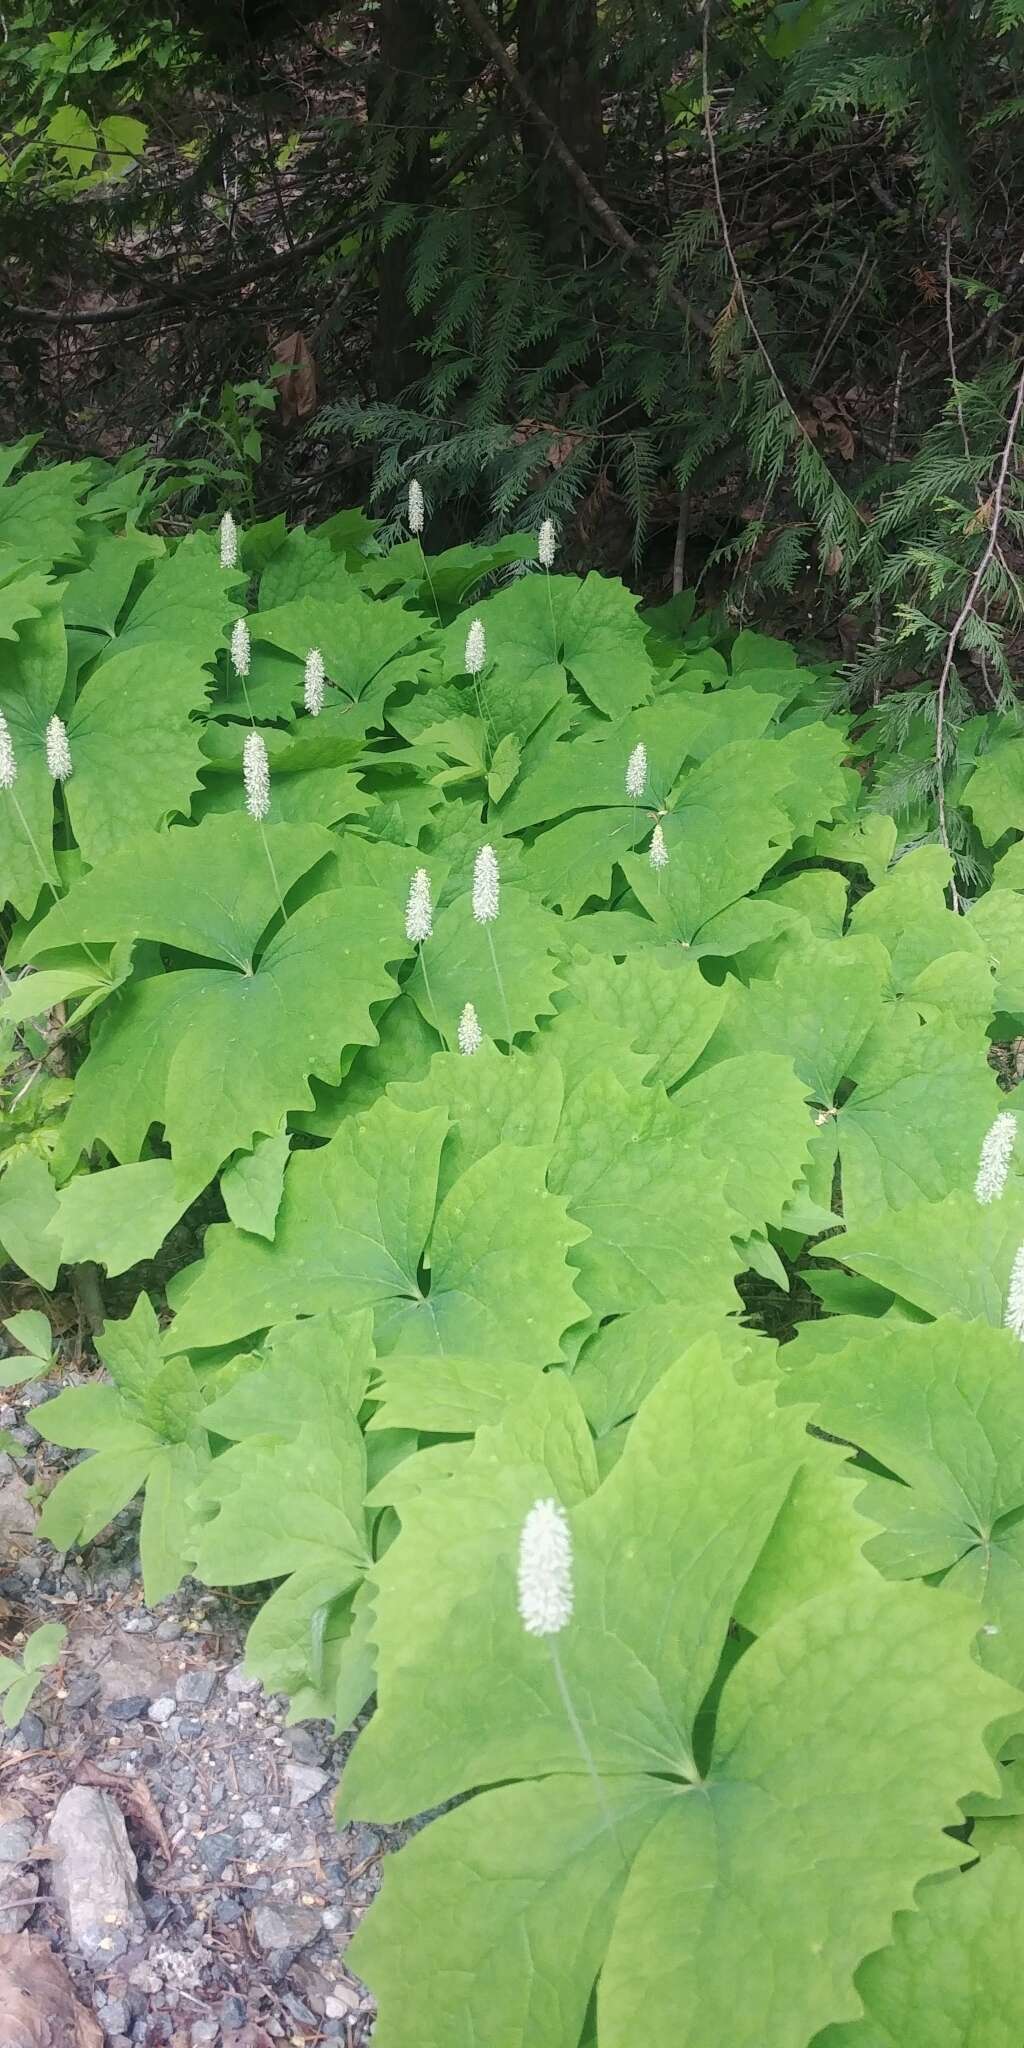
<point x="31" y="1329"/>
<point x="217" y="1035"/>
<point x="457" y="965"/>
<point x="952" y="1255"/>
<point x="355" y="1223"/>
<point x="136" y="754"/>
<point x="122" y="1214"/>
<point x="652" y="1235"/>
<point x="198" y="889"/>
<point x="767" y="1833"/>
<point x="947" y="1420"/>
<point x="28" y="1206"/>
<point x="948" y="1976"/>
<point x="994" y="793"/>
<point x="253" y="1184"/>
<point x="186" y="604"/>
<point x="275" y="1506"/>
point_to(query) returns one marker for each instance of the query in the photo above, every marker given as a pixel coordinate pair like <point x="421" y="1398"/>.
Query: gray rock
<point x="227" y="1913"/>
<point x="17" y="1879"/>
<point x="195" y="1688"/>
<point x="284" y="1927"/>
<point x="82" y="1689"/>
<point x="30" y="1733"/>
<point x="187" y="1728"/>
<point x="305" y="1781"/>
<point x="203" y="2033"/>
<point x="232" y="2012"/>
<point x="304" y="1745"/>
<point x="237" y="1682"/>
<point x="163" y="1710"/>
<point x="216" y="1852"/>
<point x="131" y="1709"/>
<point x="94" y="1873"/>
<point x="116" y="2016"/>
<point x="169" y="1630"/>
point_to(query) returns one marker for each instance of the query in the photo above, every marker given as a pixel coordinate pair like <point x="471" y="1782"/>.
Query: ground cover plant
<point x="523" y="989"/>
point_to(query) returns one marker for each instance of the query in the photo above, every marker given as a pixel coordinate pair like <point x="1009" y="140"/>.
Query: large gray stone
<point x="94" y="1873"/>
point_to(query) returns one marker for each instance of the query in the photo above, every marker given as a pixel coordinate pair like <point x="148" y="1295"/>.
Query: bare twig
<point x="847" y="309"/>
<point x="679" y="551"/>
<point x="614" y="228"/>
<point x="994" y="513"/>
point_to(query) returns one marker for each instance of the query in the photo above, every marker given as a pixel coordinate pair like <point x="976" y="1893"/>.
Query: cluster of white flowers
<point x="8" y="764"/>
<point x="313" y="682"/>
<point x="256" y="775"/>
<point x="241" y="650"/>
<point x="471" y="1037"/>
<point x="228" y="543"/>
<point x="996" y="1158"/>
<point x="476" y="648"/>
<point x="545" y="1570"/>
<point x="416" y="512"/>
<point x="658" y="852"/>
<point x="419" y="914"/>
<point x="546" y="545"/>
<point x="58" y="752"/>
<point x="486" y="886"/>
<point x="636" y="771"/>
<point x="1014" y="1317"/>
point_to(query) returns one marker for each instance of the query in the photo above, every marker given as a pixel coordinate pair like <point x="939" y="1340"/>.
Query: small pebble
<point x="169" y="1630"/>
<point x="232" y="2012"/>
<point x="195" y="1688"/>
<point x="163" y="1710"/>
<point x="216" y="1852"/>
<point x="203" y="2032"/>
<point x="128" y="1710"/>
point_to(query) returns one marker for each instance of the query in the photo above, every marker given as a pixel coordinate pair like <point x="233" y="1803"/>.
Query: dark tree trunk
<point x="407" y="42"/>
<point x="556" y="43"/>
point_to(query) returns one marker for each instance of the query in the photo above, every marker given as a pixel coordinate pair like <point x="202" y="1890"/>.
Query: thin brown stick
<point x="614" y="228"/>
<point x="995" y="514"/>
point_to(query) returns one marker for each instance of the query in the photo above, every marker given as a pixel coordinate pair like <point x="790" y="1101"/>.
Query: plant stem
<point x="582" y="1744"/>
<point x="551" y="608"/>
<point x="430" y="580"/>
<point x="430" y="999"/>
<point x="273" y="870"/>
<point x="501" y="986"/>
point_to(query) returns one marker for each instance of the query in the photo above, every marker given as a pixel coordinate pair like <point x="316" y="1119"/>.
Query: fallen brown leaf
<point x="135" y="1795"/>
<point x="38" y="2007"/>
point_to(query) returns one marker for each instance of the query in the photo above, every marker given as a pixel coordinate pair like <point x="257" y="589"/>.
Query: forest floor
<point x="236" y="1921"/>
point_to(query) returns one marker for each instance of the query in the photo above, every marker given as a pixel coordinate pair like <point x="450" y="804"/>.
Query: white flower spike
<point x="545" y="1570"/>
<point x="546" y="545"/>
<point x="471" y="1037"/>
<point x="636" y="771"/>
<point x="1014" y="1317"/>
<point x="241" y="649"/>
<point x="476" y="648"/>
<point x="419" y="916"/>
<point x="996" y="1158"/>
<point x="8" y="764"/>
<point x="313" y="683"/>
<point x="486" y="886"/>
<point x="58" y="752"/>
<point x="658" y="853"/>
<point x="416" y="511"/>
<point x="256" y="775"/>
<point x="228" y="543"/>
